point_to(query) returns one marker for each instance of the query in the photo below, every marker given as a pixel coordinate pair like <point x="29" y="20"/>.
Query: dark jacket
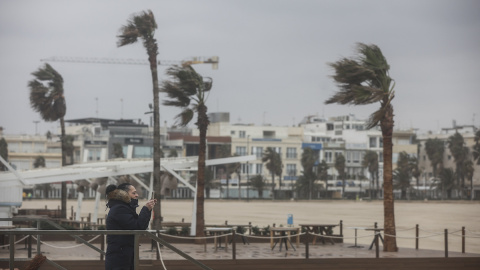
<point x="122" y="216"/>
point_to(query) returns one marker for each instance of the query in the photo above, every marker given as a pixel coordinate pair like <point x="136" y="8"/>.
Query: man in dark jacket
<point x="123" y="200"/>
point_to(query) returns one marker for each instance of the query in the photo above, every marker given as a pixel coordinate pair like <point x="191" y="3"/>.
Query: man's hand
<point x="150" y="204"/>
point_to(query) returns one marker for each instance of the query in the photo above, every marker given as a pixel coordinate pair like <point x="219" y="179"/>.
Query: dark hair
<point x="124" y="186"/>
<point x="109" y="189"/>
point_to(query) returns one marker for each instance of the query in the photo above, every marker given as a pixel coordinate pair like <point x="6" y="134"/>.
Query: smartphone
<point x="153" y="195"/>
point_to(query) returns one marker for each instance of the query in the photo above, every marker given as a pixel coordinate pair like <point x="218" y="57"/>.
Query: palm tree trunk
<point x="390" y="243"/>
<point x="202" y="126"/>
<point x="228" y="188"/>
<point x="273" y="186"/>
<point x="157" y="182"/>
<point x="63" y="213"/>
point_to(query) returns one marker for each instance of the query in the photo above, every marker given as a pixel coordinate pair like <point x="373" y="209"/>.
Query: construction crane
<point x="128" y="61"/>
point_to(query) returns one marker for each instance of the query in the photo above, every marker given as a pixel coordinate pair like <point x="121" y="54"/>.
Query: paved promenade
<point x="66" y="250"/>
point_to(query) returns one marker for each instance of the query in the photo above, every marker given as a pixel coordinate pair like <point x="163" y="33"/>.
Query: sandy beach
<point x="433" y="217"/>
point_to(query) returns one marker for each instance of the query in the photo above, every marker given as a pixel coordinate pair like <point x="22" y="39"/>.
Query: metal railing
<point x="75" y="233"/>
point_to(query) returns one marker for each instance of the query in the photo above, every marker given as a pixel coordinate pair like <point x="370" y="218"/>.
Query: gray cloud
<point x="273" y="57"/>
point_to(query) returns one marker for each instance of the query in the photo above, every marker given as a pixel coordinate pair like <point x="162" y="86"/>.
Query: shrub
<point x="172" y="231"/>
<point x="185" y="231"/>
<point x="240" y="229"/>
<point x="266" y="230"/>
<point x="256" y="230"/>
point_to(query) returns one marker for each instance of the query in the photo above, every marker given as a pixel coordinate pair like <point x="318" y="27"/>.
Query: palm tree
<point x="302" y="186"/>
<point x="3" y="153"/>
<point x="188" y="91"/>
<point x="370" y="162"/>
<point x="469" y="170"/>
<point x="231" y="168"/>
<point x="49" y="135"/>
<point x="456" y="145"/>
<point x="118" y="151"/>
<point x="273" y="164"/>
<point x="142" y="26"/>
<point x="40" y="163"/>
<point x="446" y="181"/>
<point x="173" y="153"/>
<point x="476" y="148"/>
<point x="258" y="183"/>
<point x="340" y="167"/>
<point x="402" y="174"/>
<point x="308" y="162"/>
<point x="222" y="152"/>
<point x="366" y="80"/>
<point x="69" y="149"/>
<point x="435" y="149"/>
<point x="46" y="98"/>
<point x="322" y="172"/>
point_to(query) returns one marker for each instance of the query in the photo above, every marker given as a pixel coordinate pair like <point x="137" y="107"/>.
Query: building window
<point x="268" y="134"/>
<point x="291" y="152"/>
<point x="14" y="147"/>
<point x="143" y="152"/>
<point x="241" y="150"/>
<point x="241" y="134"/>
<point x="329" y="126"/>
<point x="373" y="142"/>
<point x="257" y="151"/>
<point x="356" y="157"/>
<point x="52" y="164"/>
<point x="291" y="169"/>
<point x="394" y="158"/>
<point x="381" y="142"/>
<point x="247" y="169"/>
<point x="328" y="157"/>
<point x="232" y="132"/>
<point x="259" y="168"/>
<point x="38" y="147"/>
<point x="94" y="154"/>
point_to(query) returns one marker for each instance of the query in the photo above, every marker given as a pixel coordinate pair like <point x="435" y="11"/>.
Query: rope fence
<point x="307" y="236"/>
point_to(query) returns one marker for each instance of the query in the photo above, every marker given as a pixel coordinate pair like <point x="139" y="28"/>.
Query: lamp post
<point x="248" y="167"/>
<point x="151" y="111"/>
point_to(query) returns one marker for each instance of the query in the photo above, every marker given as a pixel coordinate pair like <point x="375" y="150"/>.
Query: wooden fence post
<point x="102" y="246"/>
<point x="234" y="246"/>
<point x="341" y="228"/>
<point x="307" y="239"/>
<point x="416" y="237"/>
<point x="446" y="243"/>
<point x="463" y="239"/>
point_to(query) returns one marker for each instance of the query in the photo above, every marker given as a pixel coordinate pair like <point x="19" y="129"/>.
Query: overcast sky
<point x="273" y="57"/>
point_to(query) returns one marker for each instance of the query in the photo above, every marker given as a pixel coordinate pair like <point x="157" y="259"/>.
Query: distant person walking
<point x="123" y="200"/>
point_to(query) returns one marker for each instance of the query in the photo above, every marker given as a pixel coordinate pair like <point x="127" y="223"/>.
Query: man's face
<point x="132" y="192"/>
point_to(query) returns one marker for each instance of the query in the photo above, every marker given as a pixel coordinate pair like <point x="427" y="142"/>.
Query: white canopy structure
<point x="12" y="182"/>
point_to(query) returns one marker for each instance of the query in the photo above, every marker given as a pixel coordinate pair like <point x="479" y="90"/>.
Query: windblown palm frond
<point x="141" y="25"/>
<point x="186" y="90"/>
<point x="46" y="94"/>
<point x="364" y="80"/>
